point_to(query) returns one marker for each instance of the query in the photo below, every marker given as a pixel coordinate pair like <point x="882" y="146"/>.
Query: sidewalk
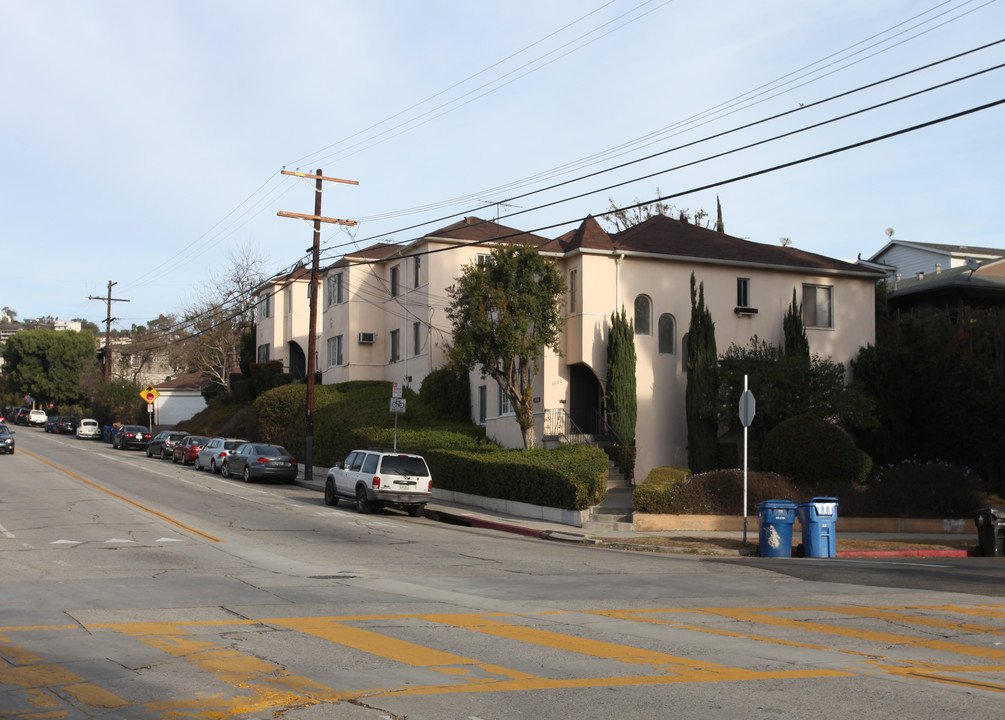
<point x="714" y="542"/>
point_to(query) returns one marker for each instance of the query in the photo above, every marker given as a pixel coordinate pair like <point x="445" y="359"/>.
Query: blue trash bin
<point x="818" y="518"/>
<point x="106" y="433"/>
<point x="775" y="519"/>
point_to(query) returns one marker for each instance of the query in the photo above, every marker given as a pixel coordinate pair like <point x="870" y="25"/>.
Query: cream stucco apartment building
<point x="384" y="316"/>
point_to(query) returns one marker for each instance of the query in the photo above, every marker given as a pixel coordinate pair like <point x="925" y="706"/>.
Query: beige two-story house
<point x="282" y="317"/>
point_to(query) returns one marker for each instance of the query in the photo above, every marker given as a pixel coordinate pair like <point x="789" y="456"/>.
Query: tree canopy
<point x="505" y="313"/>
<point x="48" y="364"/>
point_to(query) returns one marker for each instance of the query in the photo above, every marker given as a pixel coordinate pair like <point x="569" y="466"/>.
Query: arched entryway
<point x="298" y="361"/>
<point x="586" y="397"/>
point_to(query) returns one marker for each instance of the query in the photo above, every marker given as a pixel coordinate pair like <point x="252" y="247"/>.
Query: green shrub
<point x="810" y="451"/>
<point x="571" y="477"/>
<point x="719" y="492"/>
<point x="653" y="495"/>
<point x="447" y="394"/>
<point x="926" y="490"/>
<point x="865" y="466"/>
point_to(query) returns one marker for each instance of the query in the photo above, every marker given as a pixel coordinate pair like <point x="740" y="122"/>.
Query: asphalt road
<point x="134" y="588"/>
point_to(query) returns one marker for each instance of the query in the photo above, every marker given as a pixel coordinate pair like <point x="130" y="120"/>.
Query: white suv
<point x="378" y="478"/>
<point x="37" y="417"/>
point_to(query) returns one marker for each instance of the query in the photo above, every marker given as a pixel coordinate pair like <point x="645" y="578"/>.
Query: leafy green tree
<point x="504" y="314"/>
<point x="48" y="365"/>
<point x="622" y="396"/>
<point x="702" y="392"/>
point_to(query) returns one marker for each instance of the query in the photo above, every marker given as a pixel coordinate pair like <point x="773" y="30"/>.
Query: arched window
<point x="643" y="315"/>
<point x="667" y="330"/>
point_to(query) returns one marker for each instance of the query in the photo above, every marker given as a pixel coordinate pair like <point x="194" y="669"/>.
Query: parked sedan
<point x="6" y="440"/>
<point x="131" y="436"/>
<point x="88" y="429"/>
<point x="256" y="461"/>
<point x="66" y="425"/>
<point x="50" y="424"/>
<point x="187" y="450"/>
<point x="162" y="444"/>
<point x="215" y="452"/>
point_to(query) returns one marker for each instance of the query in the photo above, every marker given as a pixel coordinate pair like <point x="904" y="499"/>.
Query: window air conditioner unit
<point x="368" y="338"/>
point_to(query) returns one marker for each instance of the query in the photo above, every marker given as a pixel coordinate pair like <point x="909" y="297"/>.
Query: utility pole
<point x="316" y="219"/>
<point x="108" y="327"/>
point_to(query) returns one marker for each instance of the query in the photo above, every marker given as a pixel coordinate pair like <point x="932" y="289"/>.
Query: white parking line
<point x="6" y="533"/>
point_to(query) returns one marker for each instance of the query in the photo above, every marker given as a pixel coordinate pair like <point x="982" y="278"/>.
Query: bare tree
<point x="619" y="218"/>
<point x="216" y="320"/>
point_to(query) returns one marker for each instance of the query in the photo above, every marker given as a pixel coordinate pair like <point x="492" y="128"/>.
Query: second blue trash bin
<point x="818" y="518"/>
<point x="774" y="527"/>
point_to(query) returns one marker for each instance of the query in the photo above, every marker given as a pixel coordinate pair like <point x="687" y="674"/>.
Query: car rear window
<point x="232" y="444"/>
<point x="269" y="451"/>
<point x="404" y="465"/>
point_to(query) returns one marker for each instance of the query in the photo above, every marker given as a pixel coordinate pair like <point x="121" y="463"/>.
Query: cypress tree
<point x="701" y="396"/>
<point x="796" y="344"/>
<point x="622" y="398"/>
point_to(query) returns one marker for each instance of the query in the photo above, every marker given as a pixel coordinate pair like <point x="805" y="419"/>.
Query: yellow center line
<point x="123" y="498"/>
<point x="886" y="614"/>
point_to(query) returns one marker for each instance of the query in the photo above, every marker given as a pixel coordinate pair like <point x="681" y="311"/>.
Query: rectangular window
<point x="395" y="346"/>
<point x="743" y="292"/>
<point x="394" y="281"/>
<point x="818" y="308"/>
<point x="484" y="259"/>
<point x="573" y="276"/>
<point x="288" y="299"/>
<point x="335" y="289"/>
<point x="263" y="353"/>
<point x="504" y="404"/>
<point x="482" y="402"/>
<point x="335" y="351"/>
<point x="416" y="338"/>
<point x="265" y="306"/>
<point x="417" y="267"/>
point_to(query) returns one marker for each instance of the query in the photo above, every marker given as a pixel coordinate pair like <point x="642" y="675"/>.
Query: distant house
<point x="936" y="276"/>
<point x="180" y="398"/>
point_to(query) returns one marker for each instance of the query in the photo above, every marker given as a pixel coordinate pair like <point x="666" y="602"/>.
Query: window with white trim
<point x="818" y="306"/>
<point x="643" y="315"/>
<point x="335" y="351"/>
<point x="504" y="403"/>
<point x="262" y="355"/>
<point x="395" y="346"/>
<point x="395" y="289"/>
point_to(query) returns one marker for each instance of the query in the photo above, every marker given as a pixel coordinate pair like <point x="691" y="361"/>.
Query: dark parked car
<point x="186" y="450"/>
<point x="256" y="461"/>
<point x="67" y="425"/>
<point x="131" y="436"/>
<point x="215" y="452"/>
<point x="50" y="424"/>
<point x="21" y="416"/>
<point x="162" y="444"/>
<point x="6" y="440"/>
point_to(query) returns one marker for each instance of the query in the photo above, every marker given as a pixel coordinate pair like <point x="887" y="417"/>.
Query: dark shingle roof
<point x="660" y="235"/>
<point x="473" y="229"/>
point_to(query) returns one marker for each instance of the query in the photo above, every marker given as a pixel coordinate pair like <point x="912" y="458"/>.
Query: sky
<point x="142" y="143"/>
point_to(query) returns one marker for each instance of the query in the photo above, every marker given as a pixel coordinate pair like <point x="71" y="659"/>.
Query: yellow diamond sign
<point x="149" y="393"/>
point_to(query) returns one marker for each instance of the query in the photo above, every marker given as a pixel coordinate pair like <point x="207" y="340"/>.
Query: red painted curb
<point x="904" y="553"/>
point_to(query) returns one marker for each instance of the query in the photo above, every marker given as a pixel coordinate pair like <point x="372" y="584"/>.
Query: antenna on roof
<point x="889" y="233"/>
<point x="784" y="241"/>
<point x="498" y="205"/>
<point x="972" y="264"/>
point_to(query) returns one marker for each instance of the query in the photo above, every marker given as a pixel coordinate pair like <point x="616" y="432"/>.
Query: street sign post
<point x="149" y="394"/>
<point x="747" y="409"/>
<point x="397" y="407"/>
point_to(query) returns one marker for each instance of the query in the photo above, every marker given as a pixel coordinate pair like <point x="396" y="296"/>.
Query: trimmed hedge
<point x="570" y="477"/>
<point x="718" y="492"/>
<point x="810" y="451"/>
<point x="356" y="415"/>
<point x="655" y="493"/>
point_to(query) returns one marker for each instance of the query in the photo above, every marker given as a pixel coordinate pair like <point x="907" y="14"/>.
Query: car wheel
<point x="174" y="458"/>
<point x="224" y="470"/>
<point x="162" y="454"/>
<point x="197" y="464"/>
<point x="149" y="452"/>
<point x="363" y="504"/>
<point x="212" y="467"/>
<point x="415" y="510"/>
<point x="247" y="474"/>
<point x="331" y="499"/>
